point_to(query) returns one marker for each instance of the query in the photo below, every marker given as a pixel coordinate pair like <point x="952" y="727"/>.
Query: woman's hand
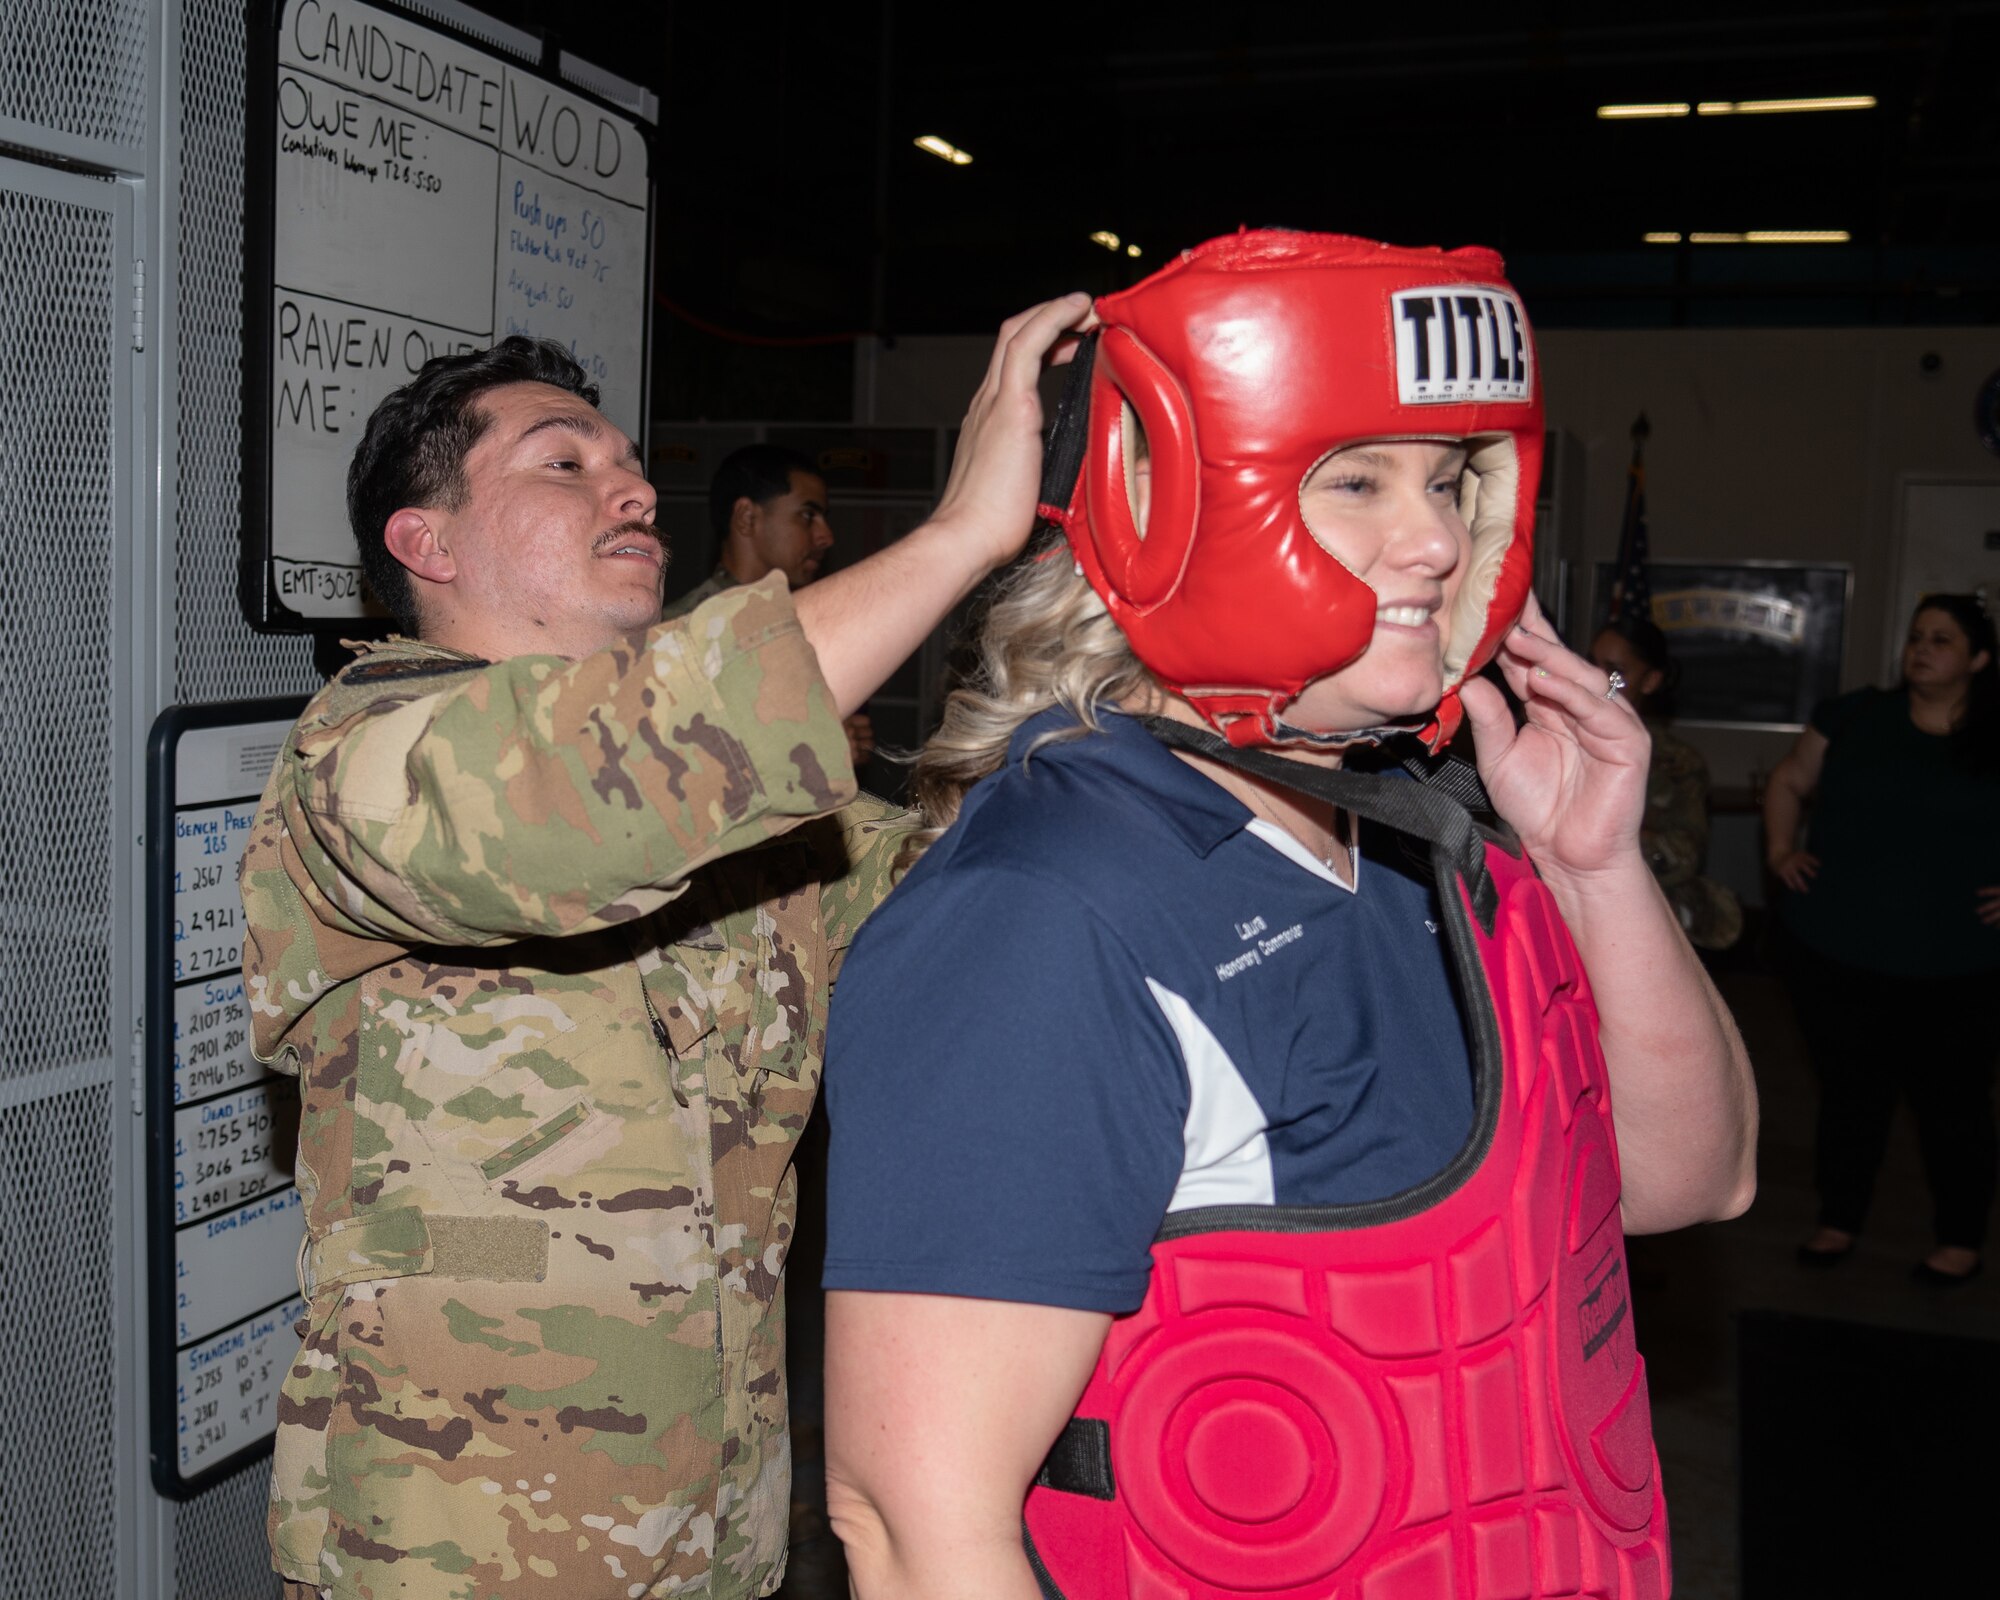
<point x="1571" y="781"/>
<point x="1989" y="906"/>
<point x="1795" y="869"/>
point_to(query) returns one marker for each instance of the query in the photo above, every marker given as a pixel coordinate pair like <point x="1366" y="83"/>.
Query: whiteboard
<point x="225" y="1219"/>
<point x="414" y="195"/>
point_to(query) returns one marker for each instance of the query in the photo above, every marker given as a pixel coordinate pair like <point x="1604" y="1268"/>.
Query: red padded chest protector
<point x="1432" y="1398"/>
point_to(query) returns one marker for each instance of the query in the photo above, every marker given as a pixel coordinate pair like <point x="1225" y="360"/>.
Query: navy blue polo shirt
<point x="1110" y="992"/>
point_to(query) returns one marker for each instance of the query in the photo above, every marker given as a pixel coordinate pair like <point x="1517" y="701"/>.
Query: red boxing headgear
<point x="1247" y="361"/>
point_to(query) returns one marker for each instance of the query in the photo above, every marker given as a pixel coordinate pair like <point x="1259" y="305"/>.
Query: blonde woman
<point x="1203" y="1112"/>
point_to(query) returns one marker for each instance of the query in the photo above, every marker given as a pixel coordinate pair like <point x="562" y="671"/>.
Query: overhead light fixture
<point x="1752" y="108"/>
<point x="1110" y="241"/>
<point x="944" y="150"/>
<point x="1760" y="236"/>
<point x="1665" y="108"/>
<point x="1132" y="250"/>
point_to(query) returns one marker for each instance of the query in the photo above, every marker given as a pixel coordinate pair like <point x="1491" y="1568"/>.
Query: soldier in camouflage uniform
<point x="767" y="510"/>
<point x="1674" y="838"/>
<point x="1674" y="835"/>
<point x="542" y="907"/>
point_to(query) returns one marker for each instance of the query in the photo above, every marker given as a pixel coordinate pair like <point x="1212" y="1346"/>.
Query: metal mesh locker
<point x="218" y="1549"/>
<point x="73" y="78"/>
<point x="63" y="532"/>
<point x="56" y="1432"/>
<point x="57" y="543"/>
<point x="216" y="656"/>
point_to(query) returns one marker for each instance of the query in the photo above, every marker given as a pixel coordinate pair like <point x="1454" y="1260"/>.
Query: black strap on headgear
<point x="1069" y="434"/>
<point x="1457" y="850"/>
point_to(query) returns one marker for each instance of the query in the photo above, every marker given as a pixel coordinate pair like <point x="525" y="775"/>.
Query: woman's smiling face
<point x="1388" y="511"/>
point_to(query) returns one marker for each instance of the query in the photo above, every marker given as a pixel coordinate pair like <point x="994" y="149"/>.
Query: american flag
<point x="1631" y="585"/>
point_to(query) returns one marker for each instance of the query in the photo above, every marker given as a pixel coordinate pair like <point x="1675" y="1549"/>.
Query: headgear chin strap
<point x="1246" y="362"/>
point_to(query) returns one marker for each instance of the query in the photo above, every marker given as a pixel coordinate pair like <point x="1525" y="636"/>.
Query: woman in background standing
<point x="1674" y="834"/>
<point x="1894" y="923"/>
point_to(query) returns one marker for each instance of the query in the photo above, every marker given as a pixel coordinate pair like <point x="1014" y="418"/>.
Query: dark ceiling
<point x="794" y="204"/>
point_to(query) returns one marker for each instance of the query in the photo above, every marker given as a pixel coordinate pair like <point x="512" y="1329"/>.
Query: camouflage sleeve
<point x="873" y="831"/>
<point x="1674" y="833"/>
<point x="717" y="582"/>
<point x="545" y="796"/>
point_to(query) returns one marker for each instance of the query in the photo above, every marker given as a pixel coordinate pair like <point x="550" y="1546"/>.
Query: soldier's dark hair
<point x="758" y="473"/>
<point x="412" y="453"/>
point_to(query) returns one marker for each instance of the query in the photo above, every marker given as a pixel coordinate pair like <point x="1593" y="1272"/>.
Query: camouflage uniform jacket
<point x="1673" y="836"/>
<point x="720" y="581"/>
<point x="548" y="944"/>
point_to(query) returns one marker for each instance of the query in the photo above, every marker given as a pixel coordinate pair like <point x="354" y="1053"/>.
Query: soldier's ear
<point x="415" y="540"/>
<point x="743" y="517"/>
<point x="1650" y="684"/>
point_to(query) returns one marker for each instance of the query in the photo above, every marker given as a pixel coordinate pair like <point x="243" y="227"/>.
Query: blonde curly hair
<point x="1044" y="640"/>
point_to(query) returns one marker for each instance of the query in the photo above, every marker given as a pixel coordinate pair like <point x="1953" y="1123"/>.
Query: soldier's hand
<point x="864" y="620"/>
<point x="996" y="471"/>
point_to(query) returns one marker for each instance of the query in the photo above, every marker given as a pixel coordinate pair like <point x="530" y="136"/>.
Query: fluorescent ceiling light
<point x="1760" y="236"/>
<point x="1667" y="108"/>
<point x="944" y="150"/>
<point x="1751" y="108"/>
<point x="1110" y="241"/>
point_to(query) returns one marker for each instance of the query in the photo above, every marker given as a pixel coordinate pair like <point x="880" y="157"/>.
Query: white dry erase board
<point x="413" y="192"/>
<point x="224" y="1217"/>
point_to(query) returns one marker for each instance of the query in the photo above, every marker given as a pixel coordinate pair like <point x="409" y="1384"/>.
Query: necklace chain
<point x="1334" y="848"/>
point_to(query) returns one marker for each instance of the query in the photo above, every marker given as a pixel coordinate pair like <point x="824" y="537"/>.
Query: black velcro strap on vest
<point x="1069" y="435"/>
<point x="1449" y="775"/>
<point x="1080" y="1463"/>
<point x="1457" y="850"/>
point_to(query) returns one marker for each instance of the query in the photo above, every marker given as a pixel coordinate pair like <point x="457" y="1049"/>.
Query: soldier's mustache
<point x="625" y="530"/>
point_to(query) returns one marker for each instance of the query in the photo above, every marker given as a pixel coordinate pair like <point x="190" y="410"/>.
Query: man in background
<point x="767" y="505"/>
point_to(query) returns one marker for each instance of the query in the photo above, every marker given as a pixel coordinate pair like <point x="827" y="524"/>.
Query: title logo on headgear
<point x="1457" y="345"/>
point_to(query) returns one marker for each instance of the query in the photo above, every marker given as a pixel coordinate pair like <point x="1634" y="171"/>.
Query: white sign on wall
<point x="225" y="1218"/>
<point x="426" y="197"/>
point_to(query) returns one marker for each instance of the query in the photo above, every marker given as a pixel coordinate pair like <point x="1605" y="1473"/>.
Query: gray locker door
<point x="69" y="1420"/>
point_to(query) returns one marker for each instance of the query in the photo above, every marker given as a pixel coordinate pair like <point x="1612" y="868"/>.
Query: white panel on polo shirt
<point x="1226" y="1160"/>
